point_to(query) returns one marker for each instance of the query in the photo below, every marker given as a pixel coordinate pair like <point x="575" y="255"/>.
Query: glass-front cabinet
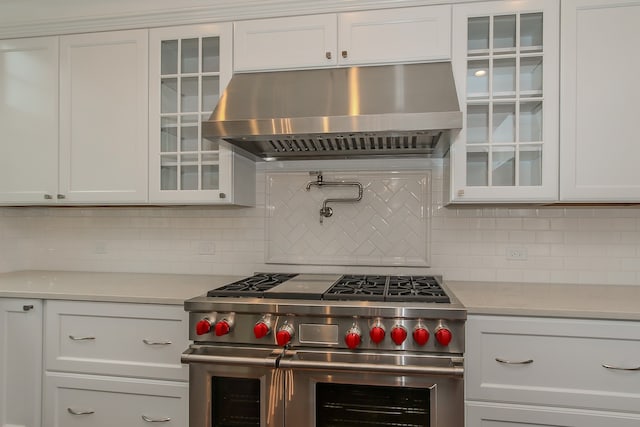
<point x="189" y="68"/>
<point x="505" y="59"/>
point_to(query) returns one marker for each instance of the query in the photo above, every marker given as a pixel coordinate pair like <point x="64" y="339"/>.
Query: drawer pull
<point x="80" y="412"/>
<point x="156" y="420"/>
<point x="74" y="338"/>
<point x="151" y="342"/>
<point x="511" y="362"/>
<point x="617" y="368"/>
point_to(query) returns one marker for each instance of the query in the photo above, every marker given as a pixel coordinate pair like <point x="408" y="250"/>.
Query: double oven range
<point x="320" y="350"/>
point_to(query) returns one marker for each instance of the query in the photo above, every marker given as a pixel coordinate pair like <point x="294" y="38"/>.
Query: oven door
<point x="234" y="386"/>
<point x="336" y="388"/>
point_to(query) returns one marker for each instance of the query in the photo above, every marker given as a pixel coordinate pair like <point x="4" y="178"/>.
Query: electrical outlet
<point x="518" y="253"/>
<point x="207" y="247"/>
<point x="100" y="248"/>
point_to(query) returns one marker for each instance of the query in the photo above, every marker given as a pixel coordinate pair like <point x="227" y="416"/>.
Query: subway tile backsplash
<point x="548" y="244"/>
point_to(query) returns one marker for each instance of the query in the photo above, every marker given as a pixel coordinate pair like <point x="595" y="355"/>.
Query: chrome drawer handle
<point x="617" y="368"/>
<point x="151" y="342"/>
<point x="156" y="420"/>
<point x="81" y="338"/>
<point x="80" y="412"/>
<point x="511" y="362"/>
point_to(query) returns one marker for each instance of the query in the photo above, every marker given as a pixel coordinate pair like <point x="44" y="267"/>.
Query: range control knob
<point x="203" y="326"/>
<point x="377" y="332"/>
<point x="285" y="335"/>
<point x="443" y="335"/>
<point x="420" y="334"/>
<point x="261" y="329"/>
<point x="398" y="334"/>
<point x="223" y="327"/>
<point x="353" y="337"/>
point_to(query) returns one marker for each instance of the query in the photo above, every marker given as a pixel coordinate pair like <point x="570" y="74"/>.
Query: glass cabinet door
<point x="191" y="70"/>
<point x="507" y="150"/>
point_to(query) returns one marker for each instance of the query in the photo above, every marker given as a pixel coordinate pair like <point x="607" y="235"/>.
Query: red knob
<point x="283" y="337"/>
<point x="420" y="336"/>
<point x="352" y="339"/>
<point x="377" y="334"/>
<point x="222" y="328"/>
<point x="261" y="330"/>
<point x="443" y="336"/>
<point x="398" y="334"/>
<point x="203" y="327"/>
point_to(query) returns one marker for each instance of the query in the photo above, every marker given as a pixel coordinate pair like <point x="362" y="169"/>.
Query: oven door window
<point x="347" y="405"/>
<point x="235" y="402"/>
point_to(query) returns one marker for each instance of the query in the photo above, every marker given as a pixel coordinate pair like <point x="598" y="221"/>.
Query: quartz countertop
<point x="497" y="298"/>
<point x="549" y="300"/>
<point x="113" y="287"/>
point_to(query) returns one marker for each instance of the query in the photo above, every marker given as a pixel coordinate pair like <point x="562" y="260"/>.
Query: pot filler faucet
<point x="326" y="211"/>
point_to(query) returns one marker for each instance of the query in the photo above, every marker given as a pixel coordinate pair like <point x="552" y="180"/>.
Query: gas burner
<point x="415" y="288"/>
<point x="253" y="286"/>
<point x="358" y="287"/>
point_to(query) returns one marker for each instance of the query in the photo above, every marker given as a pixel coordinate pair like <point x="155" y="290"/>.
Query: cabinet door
<point x="282" y="43"/>
<point x="505" y="59"/>
<point x="496" y="415"/>
<point x="189" y="68"/>
<point x="20" y="362"/>
<point x="103" y="117"/>
<point x="600" y="146"/>
<point x="29" y="120"/>
<point x="395" y="35"/>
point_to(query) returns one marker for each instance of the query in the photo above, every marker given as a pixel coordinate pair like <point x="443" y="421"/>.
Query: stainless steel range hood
<point x="390" y="110"/>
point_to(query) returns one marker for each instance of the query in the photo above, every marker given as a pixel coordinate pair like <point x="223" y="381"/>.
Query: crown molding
<point x="223" y="10"/>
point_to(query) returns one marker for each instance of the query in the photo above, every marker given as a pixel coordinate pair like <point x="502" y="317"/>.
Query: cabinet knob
<point x="344" y="54"/>
<point x="223" y="196"/>
<point x="27" y="307"/>
<point x="61" y="196"/>
<point x="328" y="55"/>
<point x="48" y="197"/>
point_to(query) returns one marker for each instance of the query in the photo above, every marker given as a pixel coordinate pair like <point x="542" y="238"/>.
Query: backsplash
<point x="388" y="227"/>
<point x="553" y="244"/>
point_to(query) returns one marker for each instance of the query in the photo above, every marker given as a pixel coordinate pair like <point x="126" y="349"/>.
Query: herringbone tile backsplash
<point x="389" y="226"/>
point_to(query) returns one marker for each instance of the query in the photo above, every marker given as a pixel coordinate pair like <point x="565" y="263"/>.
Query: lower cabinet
<point x="114" y="364"/>
<point x="20" y="362"/>
<point x="97" y="401"/>
<point x="552" y="372"/>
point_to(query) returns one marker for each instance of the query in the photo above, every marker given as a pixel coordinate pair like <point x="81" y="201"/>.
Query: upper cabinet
<point x="353" y="38"/>
<point x="103" y="117"/>
<point x="599" y="135"/>
<point x="189" y="68"/>
<point x="29" y="120"/>
<point x="505" y="59"/>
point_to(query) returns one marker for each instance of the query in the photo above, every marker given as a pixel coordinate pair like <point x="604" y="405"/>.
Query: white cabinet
<point x="113" y="364"/>
<point x="580" y="365"/>
<point x="599" y="92"/>
<point x="505" y="60"/>
<point x="82" y="400"/>
<point x="29" y="120"/>
<point x="365" y="37"/>
<point x="20" y="362"/>
<point x="189" y="68"/>
<point x="103" y="117"/>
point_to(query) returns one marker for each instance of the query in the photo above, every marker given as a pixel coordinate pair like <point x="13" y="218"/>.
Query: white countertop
<point x="549" y="300"/>
<point x="521" y="299"/>
<point x="114" y="287"/>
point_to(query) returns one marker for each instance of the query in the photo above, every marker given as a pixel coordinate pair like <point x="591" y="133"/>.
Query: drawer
<point x="554" y="362"/>
<point x="496" y="415"/>
<point x="81" y="400"/>
<point x="134" y="340"/>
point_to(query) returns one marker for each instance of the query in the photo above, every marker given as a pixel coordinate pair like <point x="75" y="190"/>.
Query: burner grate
<point x="253" y="286"/>
<point x="357" y="287"/>
<point x="415" y="288"/>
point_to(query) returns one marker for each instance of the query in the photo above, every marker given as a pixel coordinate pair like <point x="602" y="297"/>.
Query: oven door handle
<point x="452" y="371"/>
<point x="193" y="356"/>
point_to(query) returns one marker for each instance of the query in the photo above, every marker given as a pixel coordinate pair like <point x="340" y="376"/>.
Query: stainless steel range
<point x="327" y="350"/>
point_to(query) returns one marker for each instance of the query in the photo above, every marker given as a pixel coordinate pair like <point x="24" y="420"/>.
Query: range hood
<point x="349" y="112"/>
